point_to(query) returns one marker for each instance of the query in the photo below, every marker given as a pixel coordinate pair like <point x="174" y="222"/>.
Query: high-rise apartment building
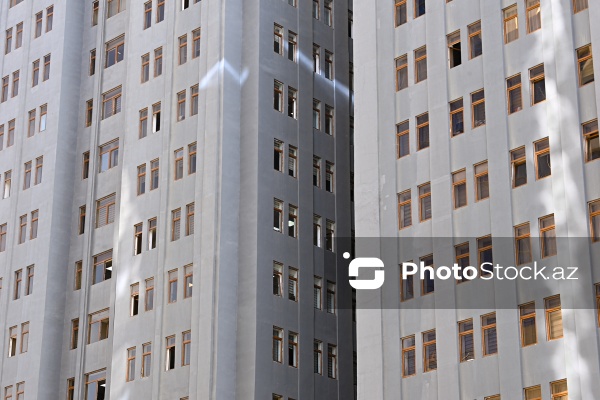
<point x="175" y="175"/>
<point x="478" y="136"/>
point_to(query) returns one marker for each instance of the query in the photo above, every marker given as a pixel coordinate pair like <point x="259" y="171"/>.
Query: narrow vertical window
<point x="454" y="49"/>
<point x="400" y="13"/>
<point x="482" y="185"/>
<point x="317" y="236"/>
<point x="3" y="231"/>
<point x="19" y="35"/>
<point x="188" y="281"/>
<point x="318" y="357"/>
<point x="145" y="73"/>
<point x="329" y="124"/>
<point x="478" y="108"/>
<point x="277" y="279"/>
<point x="409" y="358"/>
<point x="85" y="165"/>
<point x="489" y="336"/>
<point x="71" y="389"/>
<point x="190" y="214"/>
<point x="537" y="83"/>
<point x="543" y="167"/>
<point x="35" y="74"/>
<point x="175" y="224"/>
<point x="172" y="286"/>
<point x="592" y="140"/>
<point x="146" y="360"/>
<point x="194" y="100"/>
<point x="143" y="123"/>
<point x="92" y="66"/>
<point x="425" y="202"/>
<point x="402" y="139"/>
<point x="329" y="177"/>
<point x="292" y="46"/>
<point x="465" y="339"/>
<point x="82" y="213"/>
<point x="95" y="7"/>
<point x="407" y="287"/>
<point x="423" y="131"/>
<point x="318" y="293"/>
<point x="46" y="74"/>
<point x="89" y="110"/>
<point x="328" y="14"/>
<point x="401" y="72"/>
<point x="293" y="349"/>
<point x="328" y="65"/>
<point x="43" y="117"/>
<point x="186" y="348"/>
<point x="147" y="15"/>
<point x="278" y="39"/>
<point x="49" y="18"/>
<point x="160" y="11"/>
<point x="511" y="24"/>
<point x="292" y="103"/>
<point x="149" y="298"/>
<point x="523" y="244"/>
<point x="456" y="117"/>
<point x="12" y="342"/>
<point x="15" y="84"/>
<point x="419" y="8"/>
<point x="170" y="353"/>
<point x="519" y="167"/>
<point x="292" y="284"/>
<point x="27" y="176"/>
<point x="293" y="221"/>
<point x="316" y="9"/>
<point x="554" y="323"/>
<point x="329" y="235"/>
<point x="182" y="49"/>
<point x="158" y="62"/>
<point x="33" y="232"/>
<point x="38" y="25"/>
<point x="462" y="260"/>
<point x="7" y="184"/>
<point x="594" y="207"/>
<point x="420" y="64"/>
<point x="316" y="59"/>
<point x="316" y="114"/>
<point x="317" y="171"/>
<point x="134" y="299"/>
<point x="278" y="96"/>
<point x="8" y="41"/>
<point x="277" y="215"/>
<point x="4" y="89"/>
<point x="429" y="351"/>
<point x="331" y="302"/>
<point x="18" y="284"/>
<point x="513" y="91"/>
<point x="178" y="167"/>
<point x="534" y="15"/>
<point x="528" y="326"/>
<point x="196" y="43"/>
<point x="404" y="210"/>
<point x="475" y="41"/>
<point x="22" y="228"/>
<point x="559" y="390"/>
<point x="78" y="275"/>
<point x="292" y="161"/>
<point x="332" y="361"/>
<point x="130" y="368"/>
<point x="138" y="238"/>
<point x="459" y="188"/>
<point x="277" y="344"/>
<point x="156" y="117"/>
<point x="586" y="65"/>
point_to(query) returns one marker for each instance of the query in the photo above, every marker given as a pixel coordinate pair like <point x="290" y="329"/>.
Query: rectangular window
<point x="423" y="131"/>
<point x="528" y="326"/>
<point x="134" y="299"/>
<point x="186" y="348"/>
<point x="27" y="176"/>
<point x="404" y="209"/>
<point x="194" y="100"/>
<point x="401" y="72"/>
<point x="400" y="13"/>
<point x="130" y="368"/>
<point x="277" y="279"/>
<point x="429" y="351"/>
<point x="559" y="390"/>
<point x="548" y="236"/>
<point x="462" y="260"/>
<point x="292" y="103"/>
<point x="78" y="275"/>
<point x="534" y="15"/>
<point x="181" y="106"/>
<point x="175" y="224"/>
<point x="189" y="219"/>
<point x="146" y="360"/>
<point x="156" y="117"/>
<point x="7" y="184"/>
<point x="43" y="117"/>
<point x="18" y="284"/>
<point x="292" y="161"/>
<point x="49" y="18"/>
<point x="34" y="225"/>
<point x="293" y="221"/>
<point x="196" y="43"/>
<point x="71" y="389"/>
<point x="12" y="341"/>
<point x="420" y="64"/>
<point x="192" y="151"/>
<point x="89" y="109"/>
<point x="554" y="324"/>
<point x="114" y="51"/>
<point x="15" y="84"/>
<point x="111" y="103"/>
<point x="278" y="215"/>
<point x="178" y="168"/>
<point x="3" y="231"/>
<point x="594" y="207"/>
<point x="277" y="344"/>
<point x="114" y="7"/>
<point x="533" y="393"/>
<point x="182" y="49"/>
<point x="292" y="284"/>
<point x="419" y="8"/>
<point x="513" y="93"/>
<point x="149" y="298"/>
<point x="484" y="250"/>
<point x="8" y="41"/>
<point x="523" y="244"/>
<point x="188" y="281"/>
<point x="482" y="188"/>
<point x="586" y="65"/>
<point x="456" y="117"/>
<point x="459" y="188"/>
<point x="145" y="73"/>
<point x="409" y="359"/>
<point x="158" y="62"/>
<point x="278" y="96"/>
<point x="82" y="212"/>
<point x="278" y="155"/>
<point x="425" y="202"/>
<point x="95" y="7"/>
<point x="170" y="353"/>
<point x="95" y="385"/>
<point x="38" y="24"/>
<point x="318" y="292"/>
<point x="489" y="336"/>
<point x="316" y="59"/>
<point x="475" y="41"/>
<point x="329" y="235"/>
<point x="331" y="300"/>
<point x="20" y="391"/>
<point x="316" y="9"/>
<point x="278" y="39"/>
<point x="92" y="66"/>
<point x="318" y="357"/>
<point x="103" y="266"/>
<point x="478" y="108"/>
<point x="407" y="287"/>
<point x="154" y="174"/>
<point x="537" y="82"/>
<point x="579" y="5"/>
<point x="98" y="324"/>
<point x="292" y="46"/>
<point x="542" y="159"/>
<point x="293" y="349"/>
<point x="172" y="286"/>
<point x="22" y="228"/>
<point x="317" y="230"/>
<point x="592" y="140"/>
<point x="519" y="167"/>
<point x="332" y="361"/>
<point x="35" y="75"/>
<point x="316" y="114"/>
<point x="19" y="35"/>
<point x="147" y="15"/>
<point x="454" y="49"/>
<point x="138" y="238"/>
<point x="4" y="89"/>
<point x="511" y="24"/>
<point x="328" y="65"/>
<point x="141" y="179"/>
<point x="427" y="284"/>
<point x="465" y="339"/>
<point x="329" y="177"/>
<point x="105" y="210"/>
<point x="160" y="11"/>
<point x="402" y="139"/>
<point x="328" y="15"/>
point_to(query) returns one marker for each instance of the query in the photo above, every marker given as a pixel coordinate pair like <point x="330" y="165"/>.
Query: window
<point x="189" y="219"/>
<point x="292" y="284"/>
<point x="329" y="177"/>
<point x="92" y="67"/>
<point x="186" y="348"/>
<point x="331" y="300"/>
<point x="533" y="393"/>
<point x="293" y="221"/>
<point x="407" y="287"/>
<point x="462" y="260"/>
<point x="316" y="114"/>
<point x="538" y="84"/>
<point x="484" y="250"/>
<point x="511" y="24"/>
<point x="292" y="161"/>
<point x="182" y="49"/>
<point x="329" y="120"/>
<point x="20" y="391"/>
<point x="194" y="100"/>
<point x="8" y="393"/>
<point x="98" y="324"/>
<point x="329" y="235"/>
<point x="156" y="117"/>
<point x="178" y="164"/>
<point x="454" y="47"/>
<point x="465" y="339"/>
<point x="402" y="139"/>
<point x="115" y="51"/>
<point x="318" y="292"/>
<point x="475" y="41"/>
<point x="400" y="14"/>
<point x="523" y="244"/>
<point x="559" y="390"/>
<point x="316" y="9"/>
<point x="318" y="357"/>
<point x="277" y="344"/>
<point x="196" y="43"/>
<point x="4" y="89"/>
<point x="22" y="228"/>
<point x="38" y="24"/>
<point x="278" y="215"/>
<point x="277" y="278"/>
<point x="292" y="46"/>
<point x="170" y="353"/>
<point x="15" y="84"/>
<point x="49" y="18"/>
<point x="149" y="299"/>
<point x="12" y="341"/>
<point x="459" y="188"/>
<point x="586" y="65"/>
<point x="317" y="230"/>
<point x="145" y="74"/>
<point x="18" y="284"/>
<point x="29" y="280"/>
<point x="519" y="167"/>
<point x="95" y="7"/>
<point x="482" y="188"/>
<point x="141" y="179"/>
<point x="328" y="15"/>
<point x="456" y="117"/>
<point x="137" y="238"/>
<point x="292" y="103"/>
<point x="78" y="275"/>
<point x="35" y="75"/>
<point x="278" y="96"/>
<point x="103" y="266"/>
<point x="7" y="184"/>
<point x="534" y="15"/>
<point x="554" y="324"/>
<point x="172" y="288"/>
<point x="425" y="202"/>
<point x="27" y="176"/>
<point x="130" y="376"/>
<point x="401" y="73"/>
<point x="427" y="284"/>
<point x="351" y="77"/>
<point x="89" y="109"/>
<point x="420" y="64"/>
<point x="160" y="11"/>
<point x="43" y="117"/>
<point x="513" y="88"/>
<point x="105" y="210"/>
<point x="409" y="358"/>
<point x="3" y="230"/>
<point x="278" y="39"/>
<point x="404" y="210"/>
<point x="158" y="62"/>
<point x="154" y="172"/>
<point x="8" y="41"/>
<point x="147" y="15"/>
<point x="316" y="59"/>
<point x="71" y="389"/>
<point x="429" y="351"/>
<point x="332" y="361"/>
<point x="293" y="349"/>
<point x="478" y="108"/>
<point x="423" y="131"/>
<point x="46" y="74"/>
<point x="419" y="8"/>
<point x="146" y="360"/>
<point x="528" y="326"/>
<point x="188" y="281"/>
<point x="192" y="158"/>
<point x="95" y="385"/>
<point x="114" y="7"/>
<point x="134" y="299"/>
<point x="592" y="140"/>
<point x="181" y="106"/>
<point x="489" y="337"/>
<point x="175" y="224"/>
<point x="185" y="4"/>
<point x="111" y="103"/>
<point x="328" y="65"/>
<point x="579" y="5"/>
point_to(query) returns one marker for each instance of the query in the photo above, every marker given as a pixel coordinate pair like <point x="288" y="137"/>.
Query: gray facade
<point x="567" y="194"/>
<point x="232" y="246"/>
